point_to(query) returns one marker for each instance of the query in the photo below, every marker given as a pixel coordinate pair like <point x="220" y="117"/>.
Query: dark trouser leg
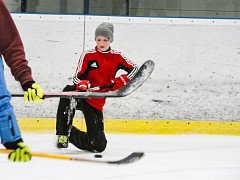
<point x="94" y="139"/>
<point x="64" y="114"/>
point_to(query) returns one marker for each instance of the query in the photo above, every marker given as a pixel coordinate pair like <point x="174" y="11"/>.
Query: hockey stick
<point x="141" y="76"/>
<point x="128" y="159"/>
<point x="101" y="87"/>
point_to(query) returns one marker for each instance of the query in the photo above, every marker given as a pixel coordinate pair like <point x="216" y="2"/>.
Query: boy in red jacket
<point x="96" y="68"/>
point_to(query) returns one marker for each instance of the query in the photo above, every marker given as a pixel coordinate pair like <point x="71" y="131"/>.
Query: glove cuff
<point x="13" y="145"/>
<point x="27" y="85"/>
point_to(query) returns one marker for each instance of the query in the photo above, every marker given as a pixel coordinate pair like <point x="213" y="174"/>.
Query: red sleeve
<point x="130" y="67"/>
<point x="11" y="47"/>
<point x="82" y="66"/>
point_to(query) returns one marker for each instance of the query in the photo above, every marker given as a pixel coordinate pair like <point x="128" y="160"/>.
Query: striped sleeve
<point x="80" y="68"/>
<point x="129" y="66"/>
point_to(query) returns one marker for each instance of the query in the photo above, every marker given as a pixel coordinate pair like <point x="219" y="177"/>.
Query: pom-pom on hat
<point x="106" y="30"/>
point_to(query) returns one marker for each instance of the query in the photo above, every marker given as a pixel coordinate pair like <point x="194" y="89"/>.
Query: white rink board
<point x="197" y="64"/>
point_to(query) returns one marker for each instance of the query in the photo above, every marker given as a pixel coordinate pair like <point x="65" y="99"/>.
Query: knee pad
<point x="9" y="130"/>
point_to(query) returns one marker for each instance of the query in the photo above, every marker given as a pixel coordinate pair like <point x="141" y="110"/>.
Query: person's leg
<point x="94" y="139"/>
<point x="65" y="114"/>
<point x="9" y="130"/>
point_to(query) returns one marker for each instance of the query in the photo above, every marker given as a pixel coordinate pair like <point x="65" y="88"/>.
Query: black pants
<point x="94" y="139"/>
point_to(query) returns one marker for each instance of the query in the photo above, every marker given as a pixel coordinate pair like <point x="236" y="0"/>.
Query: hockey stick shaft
<point x="73" y="93"/>
<point x="43" y="155"/>
<point x="129" y="159"/>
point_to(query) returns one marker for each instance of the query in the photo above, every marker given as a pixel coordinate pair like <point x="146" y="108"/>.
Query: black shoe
<point x="62" y="141"/>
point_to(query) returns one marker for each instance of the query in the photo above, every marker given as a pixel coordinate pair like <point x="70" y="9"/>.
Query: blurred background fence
<point x="158" y="8"/>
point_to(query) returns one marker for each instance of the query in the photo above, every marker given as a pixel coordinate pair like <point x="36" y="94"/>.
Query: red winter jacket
<point x="11" y="47"/>
<point x="100" y="68"/>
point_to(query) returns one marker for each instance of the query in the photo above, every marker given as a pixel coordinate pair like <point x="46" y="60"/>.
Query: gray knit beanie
<point x="106" y="30"/>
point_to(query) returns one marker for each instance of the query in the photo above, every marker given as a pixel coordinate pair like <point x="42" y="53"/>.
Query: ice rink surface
<point x="167" y="157"/>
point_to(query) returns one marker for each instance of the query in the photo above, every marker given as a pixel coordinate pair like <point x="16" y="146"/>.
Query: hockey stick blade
<point x="141" y="76"/>
<point x="129" y="159"/>
<point x="135" y="156"/>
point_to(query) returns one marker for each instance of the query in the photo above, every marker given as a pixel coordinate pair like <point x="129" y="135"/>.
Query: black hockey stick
<point x="128" y="159"/>
<point x="141" y="76"/>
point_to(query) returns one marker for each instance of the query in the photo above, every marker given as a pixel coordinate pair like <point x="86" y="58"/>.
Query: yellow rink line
<point x="140" y="126"/>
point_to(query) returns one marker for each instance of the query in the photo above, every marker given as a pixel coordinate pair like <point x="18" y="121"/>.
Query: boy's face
<point x="103" y="43"/>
